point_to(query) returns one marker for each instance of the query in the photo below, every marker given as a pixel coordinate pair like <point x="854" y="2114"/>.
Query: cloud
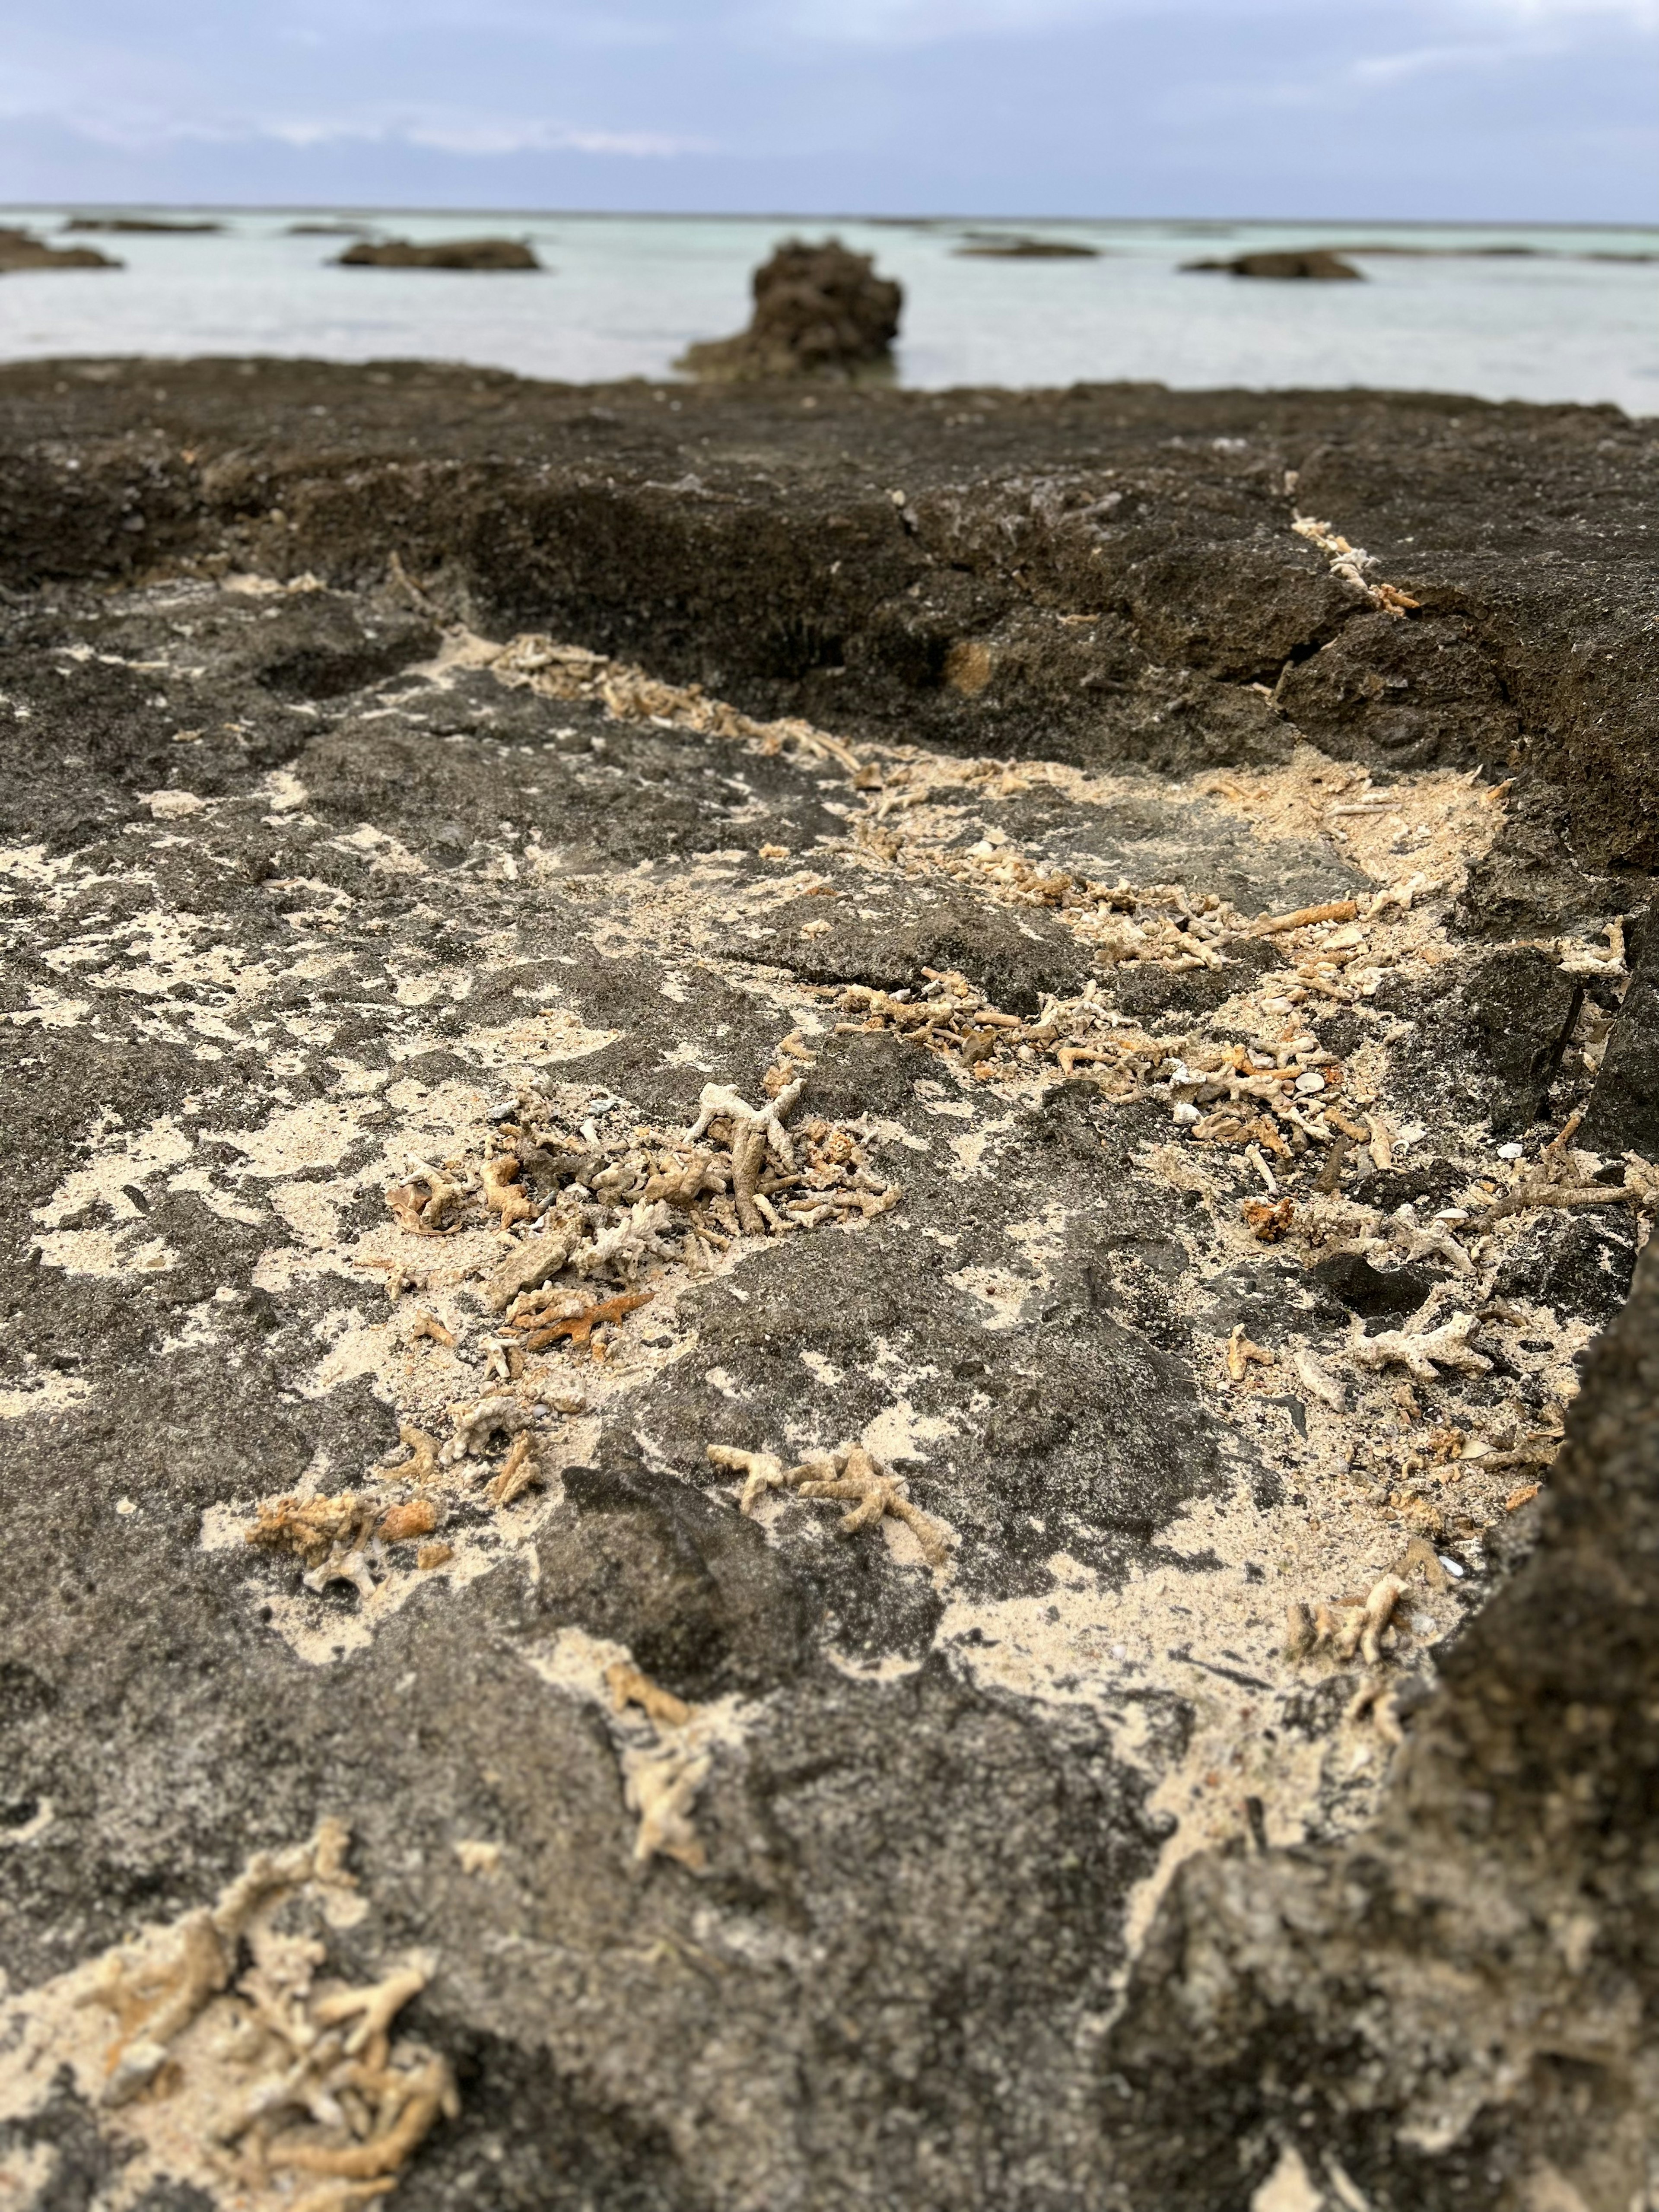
<point x="483" y="135"/>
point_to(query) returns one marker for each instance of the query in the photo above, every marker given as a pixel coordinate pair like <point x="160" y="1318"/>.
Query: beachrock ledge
<point x="829" y="1378"/>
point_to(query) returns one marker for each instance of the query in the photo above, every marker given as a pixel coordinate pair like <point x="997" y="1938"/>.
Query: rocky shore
<point x="828" y="1378"/>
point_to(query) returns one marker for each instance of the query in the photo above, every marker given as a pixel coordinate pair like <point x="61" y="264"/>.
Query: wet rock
<point x="1314" y="263"/>
<point x="444" y="253"/>
<point x="819" y="310"/>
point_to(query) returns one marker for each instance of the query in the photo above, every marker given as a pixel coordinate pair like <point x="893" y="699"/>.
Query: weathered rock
<point x="1623" y="1115"/>
<point x="1314" y="262"/>
<point x="819" y="310"/>
<point x="443" y="253"/>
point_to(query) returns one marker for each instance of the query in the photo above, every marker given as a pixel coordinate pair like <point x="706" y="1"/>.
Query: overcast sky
<point x="1530" y="109"/>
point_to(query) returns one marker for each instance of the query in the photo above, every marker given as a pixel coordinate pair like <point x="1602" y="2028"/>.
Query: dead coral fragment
<point x="422" y="1461"/>
<point x="1265" y="1220"/>
<point x="763" y="1472"/>
<point x="1421" y="1351"/>
<point x="313" y="1528"/>
<point x="158" y="1984"/>
<point x="418" y="1206"/>
<point x="1344" y="1630"/>
<point x="519" y="1471"/>
<point x="526" y="1266"/>
<point x="475" y="1426"/>
<point x="580" y="1326"/>
<point x="662" y="1787"/>
<point x="872" y="1493"/>
<point x="1241" y="1352"/>
<point x="399" y="1523"/>
<point x="629" y="1686"/>
<point x="503" y="1193"/>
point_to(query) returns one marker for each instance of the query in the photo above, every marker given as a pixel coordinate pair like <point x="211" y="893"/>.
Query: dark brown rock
<point x="994" y="246"/>
<point x="1314" y="263"/>
<point x="447" y="253"/>
<point x="21" y="250"/>
<point x="138" y="223"/>
<point x="819" y="310"/>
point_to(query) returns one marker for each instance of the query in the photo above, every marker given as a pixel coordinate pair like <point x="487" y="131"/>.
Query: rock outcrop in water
<point x="1314" y="264"/>
<point x="817" y="1392"/>
<point x="486" y="253"/>
<point x="819" y="310"/>
<point x="1003" y="246"/>
<point x="21" y="250"/>
<point x="136" y="223"/>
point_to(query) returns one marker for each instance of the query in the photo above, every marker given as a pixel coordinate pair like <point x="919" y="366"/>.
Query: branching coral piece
<point x="629" y="1686"/>
<point x="662" y="1787"/>
<point x="428" y="1324"/>
<point x="1346" y="1630"/>
<point x="1334" y="910"/>
<point x="503" y="1193"/>
<point x="763" y="1472"/>
<point x="1420" y="1352"/>
<point x="874" y="1492"/>
<point x="519" y="1471"/>
<point x="580" y="1327"/>
<point x="422" y="1461"/>
<point x="157" y="1987"/>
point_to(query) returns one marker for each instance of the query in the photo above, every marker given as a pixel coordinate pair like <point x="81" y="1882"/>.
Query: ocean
<point x="621" y="296"/>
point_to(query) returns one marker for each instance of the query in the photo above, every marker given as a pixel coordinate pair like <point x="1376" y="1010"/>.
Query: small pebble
<point x="1508" y="1151"/>
<point x="1185" y="1114"/>
<point x="1454" y="1567"/>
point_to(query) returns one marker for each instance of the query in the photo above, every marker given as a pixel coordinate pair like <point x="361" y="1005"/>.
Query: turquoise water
<point x="623" y="294"/>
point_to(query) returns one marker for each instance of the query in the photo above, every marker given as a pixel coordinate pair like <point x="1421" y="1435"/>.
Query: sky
<point x="1530" y="111"/>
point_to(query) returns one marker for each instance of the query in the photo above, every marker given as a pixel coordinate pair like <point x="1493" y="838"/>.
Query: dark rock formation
<point x="819" y="310"/>
<point x="1314" y="263"/>
<point x="138" y="223"/>
<point x="21" y="250"/>
<point x="1000" y="246"/>
<point x="1624" y="1107"/>
<point x="1402" y="2020"/>
<point x="447" y="253"/>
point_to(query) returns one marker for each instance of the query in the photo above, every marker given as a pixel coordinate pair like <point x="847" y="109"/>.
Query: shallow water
<point x="622" y="295"/>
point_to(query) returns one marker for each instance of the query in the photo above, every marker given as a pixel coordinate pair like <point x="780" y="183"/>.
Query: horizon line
<point x="738" y="214"/>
